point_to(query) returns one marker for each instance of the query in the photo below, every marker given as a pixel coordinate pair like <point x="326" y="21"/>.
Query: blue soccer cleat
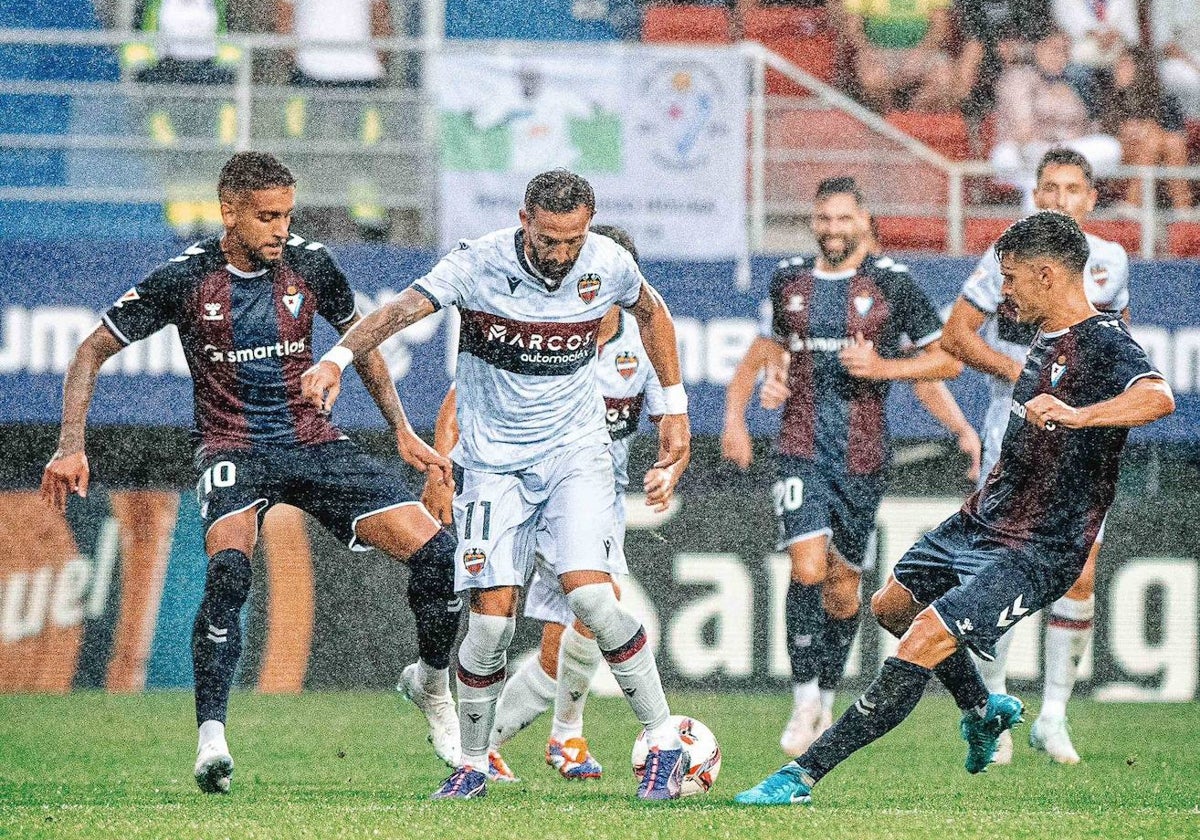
<point x="663" y="778"/>
<point x="464" y="783"/>
<point x="982" y="733"/>
<point x="789" y="785"/>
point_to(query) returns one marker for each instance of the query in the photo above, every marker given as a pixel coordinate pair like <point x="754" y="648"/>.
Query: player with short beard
<point x="244" y="304"/>
<point x="533" y="446"/>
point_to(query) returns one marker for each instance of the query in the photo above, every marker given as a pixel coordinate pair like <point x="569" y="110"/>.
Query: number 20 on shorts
<point x="788" y="494"/>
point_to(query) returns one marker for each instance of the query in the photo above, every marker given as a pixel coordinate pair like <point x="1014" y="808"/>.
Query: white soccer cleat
<point x="441" y="713"/>
<point x="801" y="729"/>
<point x="214" y="767"/>
<point x="1004" y="748"/>
<point x="1050" y="735"/>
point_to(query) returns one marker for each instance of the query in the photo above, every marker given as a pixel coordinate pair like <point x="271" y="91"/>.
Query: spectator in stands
<point x="1098" y="29"/>
<point x="996" y="34"/>
<point x="1147" y="121"/>
<point x="348" y="64"/>
<point x="1037" y="108"/>
<point x="183" y="47"/>
<point x="900" y="60"/>
<point x="1175" y="25"/>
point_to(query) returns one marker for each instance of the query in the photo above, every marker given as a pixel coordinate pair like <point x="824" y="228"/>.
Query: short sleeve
<point x="629" y="279"/>
<point x="335" y="298"/>
<point x="982" y="289"/>
<point x="915" y="315"/>
<point x="656" y="403"/>
<point x="1124" y="361"/>
<point x="143" y="310"/>
<point x="449" y="282"/>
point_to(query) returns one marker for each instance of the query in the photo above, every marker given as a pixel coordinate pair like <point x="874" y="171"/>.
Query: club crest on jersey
<point x="1057" y="370"/>
<point x="1099" y="275"/>
<point x="129" y="296"/>
<point x="627" y="364"/>
<point x="863" y="304"/>
<point x="292" y="300"/>
<point x="588" y="287"/>
<point x="212" y="312"/>
<point x="474" y="559"/>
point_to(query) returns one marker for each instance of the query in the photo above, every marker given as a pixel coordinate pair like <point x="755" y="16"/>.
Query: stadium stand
<point x="686" y="24"/>
<point x="1183" y="239"/>
<point x="804" y="37"/>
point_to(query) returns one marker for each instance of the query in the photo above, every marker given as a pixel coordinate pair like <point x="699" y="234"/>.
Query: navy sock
<point x="217" y="633"/>
<point x="886" y="702"/>
<point x="804" y="620"/>
<point x="961" y="677"/>
<point x="431" y="596"/>
<point x="833" y="649"/>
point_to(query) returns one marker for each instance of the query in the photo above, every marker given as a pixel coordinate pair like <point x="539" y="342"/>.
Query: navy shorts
<point x="980" y="587"/>
<point x="336" y="482"/>
<point x="810" y="501"/>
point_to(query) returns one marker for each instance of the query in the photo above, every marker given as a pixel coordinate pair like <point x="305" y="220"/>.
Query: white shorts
<point x="545" y="599"/>
<point x="497" y="516"/>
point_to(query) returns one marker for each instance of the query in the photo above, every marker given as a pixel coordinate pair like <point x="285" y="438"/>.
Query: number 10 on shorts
<point x="221" y="474"/>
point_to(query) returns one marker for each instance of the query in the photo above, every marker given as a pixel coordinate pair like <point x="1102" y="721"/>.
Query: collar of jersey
<point x="245" y="275"/>
<point x="844" y="274"/>
<point x="519" y="244"/>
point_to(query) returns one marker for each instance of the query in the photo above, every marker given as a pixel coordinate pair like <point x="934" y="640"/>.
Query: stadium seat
<point x="979" y="234"/>
<point x="911" y="233"/>
<point x="802" y="36"/>
<point x="944" y="133"/>
<point x="1183" y="239"/>
<point x="1193" y="138"/>
<point x="1126" y="233"/>
<point x="686" y="24"/>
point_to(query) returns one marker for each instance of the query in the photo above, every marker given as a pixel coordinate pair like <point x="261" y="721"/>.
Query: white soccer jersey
<point x="1106" y="283"/>
<point x="628" y="384"/>
<point x="527" y="353"/>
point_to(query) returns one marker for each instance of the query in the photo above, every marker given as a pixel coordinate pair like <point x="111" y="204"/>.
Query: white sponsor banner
<point x="660" y="132"/>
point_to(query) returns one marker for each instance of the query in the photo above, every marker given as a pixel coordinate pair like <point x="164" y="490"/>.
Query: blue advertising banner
<point x="51" y="297"/>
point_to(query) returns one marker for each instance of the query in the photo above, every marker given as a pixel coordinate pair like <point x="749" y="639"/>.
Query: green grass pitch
<point x="356" y="765"/>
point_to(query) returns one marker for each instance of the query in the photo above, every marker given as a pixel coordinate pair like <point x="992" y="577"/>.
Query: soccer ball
<point x="704" y="755"/>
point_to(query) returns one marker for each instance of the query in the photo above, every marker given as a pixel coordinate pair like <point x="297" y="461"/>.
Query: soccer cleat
<point x="214" y="767"/>
<point x="663" y="778"/>
<point x="1004" y="749"/>
<point x="498" y="769"/>
<point x="789" y="785"/>
<point x="464" y="783"/>
<point x="572" y="759"/>
<point x="439" y="710"/>
<point x="1051" y="736"/>
<point x="801" y="729"/>
<point x="982" y="734"/>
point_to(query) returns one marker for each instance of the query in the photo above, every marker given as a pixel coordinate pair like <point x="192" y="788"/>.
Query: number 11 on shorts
<point x="486" y="513"/>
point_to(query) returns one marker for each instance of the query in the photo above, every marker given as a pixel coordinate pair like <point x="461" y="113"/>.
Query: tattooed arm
<point x="322" y="382"/>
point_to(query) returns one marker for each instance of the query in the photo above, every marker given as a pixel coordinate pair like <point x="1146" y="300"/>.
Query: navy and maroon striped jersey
<point x="247" y="338"/>
<point x="832" y="417"/>
<point x="1052" y="487"/>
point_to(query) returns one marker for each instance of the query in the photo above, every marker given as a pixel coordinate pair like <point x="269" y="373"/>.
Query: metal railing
<point x="902" y="175"/>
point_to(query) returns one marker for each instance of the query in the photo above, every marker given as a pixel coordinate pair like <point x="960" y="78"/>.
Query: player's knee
<point x="884" y="608"/>
<point x="227" y="582"/>
<point x="597" y="607"/>
<point x="431" y="570"/>
<point x="484" y="650"/>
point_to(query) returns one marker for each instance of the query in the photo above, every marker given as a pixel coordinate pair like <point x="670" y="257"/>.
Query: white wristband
<point x="675" y="399"/>
<point x="340" y="355"/>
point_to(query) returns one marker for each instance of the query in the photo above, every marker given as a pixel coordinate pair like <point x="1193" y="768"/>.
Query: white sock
<point x="211" y="732"/>
<point x="806" y="694"/>
<point x="995" y="673"/>
<point x="623" y="642"/>
<point x="1068" y="633"/>
<point x="435" y="681"/>
<point x="578" y="659"/>
<point x="482" y="658"/>
<point x="527" y="694"/>
<point x="827" y="698"/>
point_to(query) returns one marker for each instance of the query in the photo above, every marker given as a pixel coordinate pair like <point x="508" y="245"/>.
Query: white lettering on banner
<point x="26" y="600"/>
<point x="54" y="333"/>
<point x="779" y="576"/>
<point x="726" y="342"/>
<point x="1171" y="657"/>
<point x="729" y="606"/>
<point x="1175" y="353"/>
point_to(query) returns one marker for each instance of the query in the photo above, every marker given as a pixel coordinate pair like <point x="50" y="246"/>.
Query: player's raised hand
<point x="674" y="442"/>
<point x="660" y="487"/>
<point x="860" y="359"/>
<point x="64" y="475"/>
<point x="321" y="384"/>
<point x="775" y="391"/>
<point x="1049" y="412"/>
<point x="424" y="458"/>
<point x="736" y="445"/>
